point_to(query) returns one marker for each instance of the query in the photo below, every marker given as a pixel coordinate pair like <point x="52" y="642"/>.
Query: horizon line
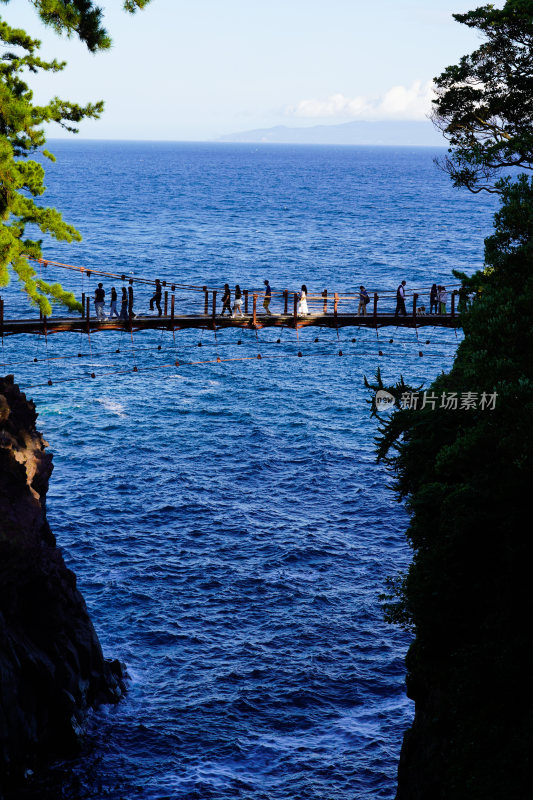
<point x="73" y="139"/>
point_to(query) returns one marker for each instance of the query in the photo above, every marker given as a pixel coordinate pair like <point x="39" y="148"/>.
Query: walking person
<point x="364" y="299"/>
<point x="302" y="305"/>
<point x="130" y="299"/>
<point x="124" y="304"/>
<point x="268" y="298"/>
<point x="226" y="300"/>
<point x="400" y="300"/>
<point x="434" y="299"/>
<point x="443" y="299"/>
<point x="156" y="298"/>
<point x="237" y="306"/>
<point x="99" y="299"/>
<point x="113" y="306"/>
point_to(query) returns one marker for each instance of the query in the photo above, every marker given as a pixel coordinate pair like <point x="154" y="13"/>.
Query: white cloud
<point x="398" y="102"/>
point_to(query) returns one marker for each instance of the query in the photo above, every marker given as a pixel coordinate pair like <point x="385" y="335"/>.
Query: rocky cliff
<point x="51" y="665"/>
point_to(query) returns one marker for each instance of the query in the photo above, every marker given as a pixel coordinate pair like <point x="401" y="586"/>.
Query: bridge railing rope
<point x="179" y="299"/>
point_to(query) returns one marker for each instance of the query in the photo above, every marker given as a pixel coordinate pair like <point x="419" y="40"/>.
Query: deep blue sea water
<point x="228" y="525"/>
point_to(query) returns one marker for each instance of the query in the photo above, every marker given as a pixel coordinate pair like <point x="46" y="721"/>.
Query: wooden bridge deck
<point x="206" y="321"/>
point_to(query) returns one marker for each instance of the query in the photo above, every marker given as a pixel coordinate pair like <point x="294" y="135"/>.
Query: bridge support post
<point x="245" y="293"/>
<point x="88" y="313"/>
<point x="415" y="298"/>
<point x="286" y="301"/>
<point x="453" y="303"/>
<point x="325" y="296"/>
<point x="166" y="303"/>
<point x="255" y="309"/>
<point x="83" y="303"/>
<point x="375" y="314"/>
<point x="214" y="312"/>
<point x="335" y="303"/>
<point x="295" y="310"/>
<point x="172" y="308"/>
<point x="206" y="300"/>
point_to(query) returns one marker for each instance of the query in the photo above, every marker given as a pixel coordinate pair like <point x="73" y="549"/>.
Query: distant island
<point x="348" y="133"/>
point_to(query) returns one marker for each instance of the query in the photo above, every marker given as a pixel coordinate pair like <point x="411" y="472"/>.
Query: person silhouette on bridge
<point x="400" y="300"/>
<point x="156" y="298"/>
<point x="268" y="298"/>
<point x="364" y="299"/>
<point x="113" y="306"/>
<point x="124" y="304"/>
<point x="434" y="299"/>
<point x="443" y="299"/>
<point x="130" y="299"/>
<point x="226" y="300"/>
<point x="237" y="306"/>
<point x="99" y="299"/>
<point x="302" y="304"/>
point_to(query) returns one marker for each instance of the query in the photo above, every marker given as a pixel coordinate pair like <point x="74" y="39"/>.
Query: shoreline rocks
<point x="52" y="669"/>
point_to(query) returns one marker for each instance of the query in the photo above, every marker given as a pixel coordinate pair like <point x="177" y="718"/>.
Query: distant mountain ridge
<point x="348" y="133"/>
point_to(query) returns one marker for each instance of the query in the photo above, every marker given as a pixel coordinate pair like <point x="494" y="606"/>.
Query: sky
<point x="196" y="71"/>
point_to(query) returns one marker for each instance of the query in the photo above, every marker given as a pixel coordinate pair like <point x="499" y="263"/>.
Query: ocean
<point x="229" y="527"/>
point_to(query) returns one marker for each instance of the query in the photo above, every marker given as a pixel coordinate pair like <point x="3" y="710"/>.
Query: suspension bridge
<point x="185" y="306"/>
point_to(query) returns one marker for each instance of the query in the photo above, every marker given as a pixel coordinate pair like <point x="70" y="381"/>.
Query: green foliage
<point x="22" y="135"/>
<point x="466" y="475"/>
<point x="80" y="17"/>
<point x="484" y="104"/>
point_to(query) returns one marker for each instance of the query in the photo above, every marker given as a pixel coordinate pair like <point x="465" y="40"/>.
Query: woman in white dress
<point x="302" y="305"/>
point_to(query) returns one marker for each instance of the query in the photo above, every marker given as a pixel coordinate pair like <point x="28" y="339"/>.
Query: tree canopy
<point x="466" y="473"/>
<point x="22" y="135"/>
<point x="484" y="104"/>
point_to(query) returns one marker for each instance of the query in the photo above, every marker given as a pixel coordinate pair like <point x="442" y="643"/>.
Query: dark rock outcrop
<point x="51" y="665"/>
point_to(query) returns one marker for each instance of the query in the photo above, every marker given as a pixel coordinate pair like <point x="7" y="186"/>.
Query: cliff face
<point x="51" y="664"/>
<point x="467" y="474"/>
